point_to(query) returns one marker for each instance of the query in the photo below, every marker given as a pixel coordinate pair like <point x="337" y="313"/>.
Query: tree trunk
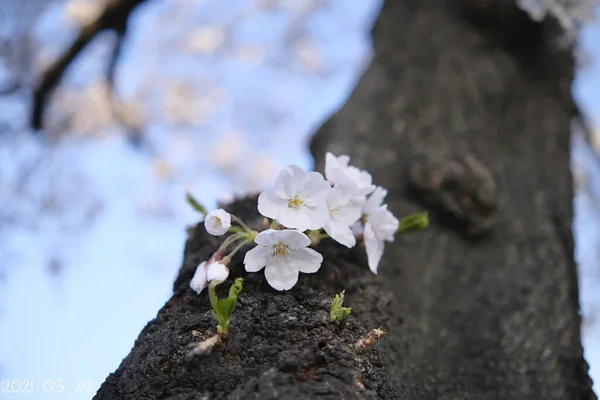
<point x="280" y="344"/>
<point x="465" y="112"/>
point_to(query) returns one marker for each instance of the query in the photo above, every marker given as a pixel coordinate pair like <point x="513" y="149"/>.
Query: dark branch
<point x="113" y="17"/>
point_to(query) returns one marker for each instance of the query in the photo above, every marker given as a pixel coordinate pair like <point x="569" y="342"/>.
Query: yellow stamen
<point x="295" y="202"/>
<point x="280" y="250"/>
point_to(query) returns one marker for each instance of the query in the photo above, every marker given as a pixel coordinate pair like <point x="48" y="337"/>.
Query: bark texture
<point x="280" y="344"/>
<point x="464" y="111"/>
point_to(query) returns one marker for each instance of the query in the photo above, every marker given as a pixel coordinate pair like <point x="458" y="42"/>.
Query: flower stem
<point x="212" y="294"/>
<point x="226" y="243"/>
<point x="241" y="223"/>
<point x="230" y="240"/>
<point x="239" y="246"/>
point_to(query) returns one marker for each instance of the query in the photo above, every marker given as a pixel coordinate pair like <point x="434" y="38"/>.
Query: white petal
<point x="306" y="260"/>
<point x="384" y="224"/>
<point x="341" y="194"/>
<point x="360" y="177"/>
<point x="293" y="239"/>
<point x="347" y="214"/>
<point x="281" y="275"/>
<point x="337" y="176"/>
<point x="316" y="189"/>
<point x="296" y="218"/>
<point x="217" y="271"/>
<point x="389" y="227"/>
<point x="256" y="258"/>
<point x="358" y="200"/>
<point x="365" y="179"/>
<point x="290" y="181"/>
<point x="267" y="237"/>
<point x="343" y="161"/>
<point x="317" y="216"/>
<point x="198" y="282"/>
<point x="341" y="233"/>
<point x="217" y="222"/>
<point x="332" y="162"/>
<point x="375" y="200"/>
<point x="270" y="205"/>
<point x="374" y="248"/>
<point x="362" y="191"/>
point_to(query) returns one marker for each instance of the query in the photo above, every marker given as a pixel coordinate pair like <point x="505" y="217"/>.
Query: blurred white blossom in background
<point x="83" y="12"/>
<point x="569" y="13"/>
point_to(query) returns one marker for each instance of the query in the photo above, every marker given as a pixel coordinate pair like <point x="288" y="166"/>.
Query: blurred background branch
<point x="114" y="17"/>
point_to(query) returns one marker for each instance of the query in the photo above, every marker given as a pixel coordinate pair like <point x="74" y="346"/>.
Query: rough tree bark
<point x="280" y="344"/>
<point x="464" y="111"/>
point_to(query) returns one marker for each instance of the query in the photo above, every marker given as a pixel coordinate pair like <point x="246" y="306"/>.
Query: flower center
<point x="217" y="221"/>
<point x="280" y="250"/>
<point x="295" y="202"/>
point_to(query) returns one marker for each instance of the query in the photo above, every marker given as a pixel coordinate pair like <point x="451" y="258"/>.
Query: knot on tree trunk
<point x="459" y="188"/>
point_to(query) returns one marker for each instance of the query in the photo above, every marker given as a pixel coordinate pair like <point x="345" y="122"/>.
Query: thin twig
<point x="113" y="17"/>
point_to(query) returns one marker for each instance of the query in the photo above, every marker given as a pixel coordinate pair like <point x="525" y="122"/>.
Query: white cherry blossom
<point x="371" y="205"/>
<point x="374" y="201"/>
<point x="379" y="228"/>
<point x="215" y="271"/>
<point x="198" y="282"/>
<point x="297" y="200"/>
<point x="338" y="171"/>
<point x="283" y="254"/>
<point x="217" y="222"/>
<point x="343" y="212"/>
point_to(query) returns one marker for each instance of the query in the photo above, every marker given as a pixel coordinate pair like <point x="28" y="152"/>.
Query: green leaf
<point x="223" y="308"/>
<point x="337" y="312"/>
<point x="413" y="223"/>
<point x="236" y="288"/>
<point x="194" y="203"/>
<point x="217" y="317"/>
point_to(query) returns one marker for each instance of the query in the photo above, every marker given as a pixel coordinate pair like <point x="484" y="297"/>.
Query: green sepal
<point x="413" y="222"/>
<point x="195" y="205"/>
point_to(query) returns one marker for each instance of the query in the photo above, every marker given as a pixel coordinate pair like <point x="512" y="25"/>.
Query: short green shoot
<point x="338" y="312"/>
<point x="222" y="308"/>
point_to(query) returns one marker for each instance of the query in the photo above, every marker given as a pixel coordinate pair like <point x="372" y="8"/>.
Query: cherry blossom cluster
<point x="301" y="209"/>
